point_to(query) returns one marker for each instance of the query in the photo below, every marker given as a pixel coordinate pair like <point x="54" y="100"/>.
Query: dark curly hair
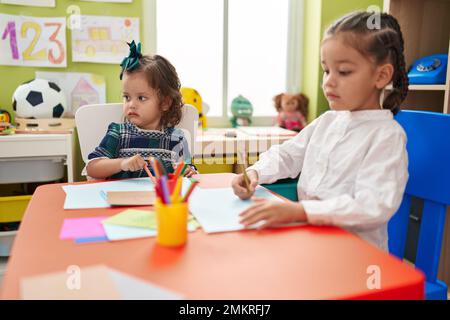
<point x="383" y="43"/>
<point x="162" y="76"/>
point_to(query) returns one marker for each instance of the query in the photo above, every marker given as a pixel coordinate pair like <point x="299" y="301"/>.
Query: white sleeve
<point x="285" y="160"/>
<point x="378" y="190"/>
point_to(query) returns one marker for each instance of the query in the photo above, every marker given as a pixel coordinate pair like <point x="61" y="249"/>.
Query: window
<point x="224" y="48"/>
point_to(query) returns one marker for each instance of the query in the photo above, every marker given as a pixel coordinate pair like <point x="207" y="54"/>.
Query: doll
<point x="292" y="110"/>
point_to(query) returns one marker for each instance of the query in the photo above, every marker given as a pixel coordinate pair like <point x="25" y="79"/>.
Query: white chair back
<point x="92" y="122"/>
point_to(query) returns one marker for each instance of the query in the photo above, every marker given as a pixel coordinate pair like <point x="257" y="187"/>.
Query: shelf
<point x="424" y="87"/>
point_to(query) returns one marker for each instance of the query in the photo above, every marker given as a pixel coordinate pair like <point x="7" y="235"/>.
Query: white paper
<point x="217" y="210"/>
<point x="89" y="195"/>
<point x="33" y="41"/>
<point x="115" y="232"/>
<point x="80" y="88"/>
<point x="131" y="288"/>
<point x="103" y="39"/>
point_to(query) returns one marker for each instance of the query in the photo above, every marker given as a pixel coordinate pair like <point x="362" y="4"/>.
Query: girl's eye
<point x="344" y="73"/>
<point x="141" y="98"/>
<point x="326" y="72"/>
<point x="126" y="98"/>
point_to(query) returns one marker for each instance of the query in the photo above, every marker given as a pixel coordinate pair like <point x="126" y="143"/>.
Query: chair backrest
<point x="92" y="123"/>
<point x="429" y="179"/>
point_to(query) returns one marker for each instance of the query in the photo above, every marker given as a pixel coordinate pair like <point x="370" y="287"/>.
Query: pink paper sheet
<point x="82" y="228"/>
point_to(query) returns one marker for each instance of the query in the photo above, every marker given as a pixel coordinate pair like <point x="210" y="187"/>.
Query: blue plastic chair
<point x="429" y="179"/>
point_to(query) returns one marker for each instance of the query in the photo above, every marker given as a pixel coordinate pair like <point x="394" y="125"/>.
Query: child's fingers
<point x="243" y="193"/>
<point x="257" y="214"/>
<point x="267" y="223"/>
<point x="247" y="212"/>
<point x="258" y="199"/>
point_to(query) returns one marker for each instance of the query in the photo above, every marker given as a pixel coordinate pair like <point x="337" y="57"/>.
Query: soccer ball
<point x="39" y="98"/>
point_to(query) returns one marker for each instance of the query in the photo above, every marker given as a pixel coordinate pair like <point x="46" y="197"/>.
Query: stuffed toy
<point x="292" y="110"/>
<point x="242" y="110"/>
<point x="192" y="97"/>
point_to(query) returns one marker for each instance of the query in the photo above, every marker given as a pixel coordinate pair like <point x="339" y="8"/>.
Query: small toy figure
<point x="5" y="123"/>
<point x="192" y="97"/>
<point x="242" y="111"/>
<point x="292" y="110"/>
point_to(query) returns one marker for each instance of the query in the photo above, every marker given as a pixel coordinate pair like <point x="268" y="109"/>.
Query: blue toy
<point x="429" y="70"/>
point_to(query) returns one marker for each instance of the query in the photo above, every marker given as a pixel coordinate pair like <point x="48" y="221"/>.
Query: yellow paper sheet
<point x="134" y="218"/>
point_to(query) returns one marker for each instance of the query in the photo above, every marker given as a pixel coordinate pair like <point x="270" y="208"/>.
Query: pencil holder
<point x="171" y="220"/>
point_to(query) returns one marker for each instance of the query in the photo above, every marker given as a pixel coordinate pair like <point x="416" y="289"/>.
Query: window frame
<point x="294" y="55"/>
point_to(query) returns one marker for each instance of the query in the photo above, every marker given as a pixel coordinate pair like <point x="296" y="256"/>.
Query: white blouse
<point x="354" y="169"/>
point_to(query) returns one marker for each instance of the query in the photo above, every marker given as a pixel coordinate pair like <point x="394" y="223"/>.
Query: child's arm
<point x="285" y="160"/>
<point x="378" y="190"/>
<point x="103" y="161"/>
<point x="103" y="168"/>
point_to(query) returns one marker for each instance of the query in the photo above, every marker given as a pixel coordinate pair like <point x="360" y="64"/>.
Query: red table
<point x="302" y="262"/>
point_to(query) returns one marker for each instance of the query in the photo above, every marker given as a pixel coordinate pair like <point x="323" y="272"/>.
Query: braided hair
<point x="384" y="44"/>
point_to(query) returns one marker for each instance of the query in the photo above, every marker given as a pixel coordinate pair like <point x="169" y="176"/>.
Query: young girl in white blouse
<point x="352" y="159"/>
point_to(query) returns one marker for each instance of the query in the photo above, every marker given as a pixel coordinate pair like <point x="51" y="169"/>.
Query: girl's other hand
<point x="189" y="171"/>
<point x="272" y="213"/>
<point x="239" y="187"/>
<point x="134" y="163"/>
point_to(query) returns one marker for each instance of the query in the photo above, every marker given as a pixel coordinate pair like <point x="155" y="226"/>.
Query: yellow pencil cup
<point x="171" y="221"/>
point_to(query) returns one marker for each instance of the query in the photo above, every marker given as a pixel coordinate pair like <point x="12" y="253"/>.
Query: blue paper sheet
<point x="85" y="196"/>
<point x="217" y="210"/>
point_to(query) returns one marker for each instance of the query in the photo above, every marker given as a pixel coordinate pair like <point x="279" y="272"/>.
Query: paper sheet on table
<point x="90" y="195"/>
<point x="134" y="218"/>
<point x="82" y="228"/>
<point x="217" y="210"/>
<point x="98" y="282"/>
<point x="116" y="232"/>
<point x="85" y="196"/>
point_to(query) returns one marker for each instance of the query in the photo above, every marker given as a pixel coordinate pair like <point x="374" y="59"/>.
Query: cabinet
<point x="425" y="26"/>
<point x="30" y="158"/>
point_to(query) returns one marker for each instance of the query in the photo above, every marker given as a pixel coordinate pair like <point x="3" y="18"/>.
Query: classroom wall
<point x="12" y="76"/>
<point x="318" y="15"/>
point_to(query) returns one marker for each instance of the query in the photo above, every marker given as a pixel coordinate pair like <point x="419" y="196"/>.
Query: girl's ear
<point x="165" y="103"/>
<point x="384" y="75"/>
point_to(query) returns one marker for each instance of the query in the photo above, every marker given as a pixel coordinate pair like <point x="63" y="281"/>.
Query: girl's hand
<point x="239" y="187"/>
<point x="189" y="171"/>
<point x="272" y="212"/>
<point x="134" y="163"/>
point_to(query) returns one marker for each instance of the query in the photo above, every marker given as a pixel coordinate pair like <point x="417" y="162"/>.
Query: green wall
<point x="109" y="71"/>
<point x="318" y="15"/>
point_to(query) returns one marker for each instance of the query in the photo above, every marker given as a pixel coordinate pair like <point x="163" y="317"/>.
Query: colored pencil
<point x="194" y="183"/>
<point x="244" y="171"/>
<point x="155" y="167"/>
<point x="178" y="170"/>
<point x="165" y="189"/>
<point x="149" y="174"/>
<point x="183" y="169"/>
<point x="176" y="192"/>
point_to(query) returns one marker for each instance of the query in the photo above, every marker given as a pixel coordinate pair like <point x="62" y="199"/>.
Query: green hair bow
<point x="132" y="61"/>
